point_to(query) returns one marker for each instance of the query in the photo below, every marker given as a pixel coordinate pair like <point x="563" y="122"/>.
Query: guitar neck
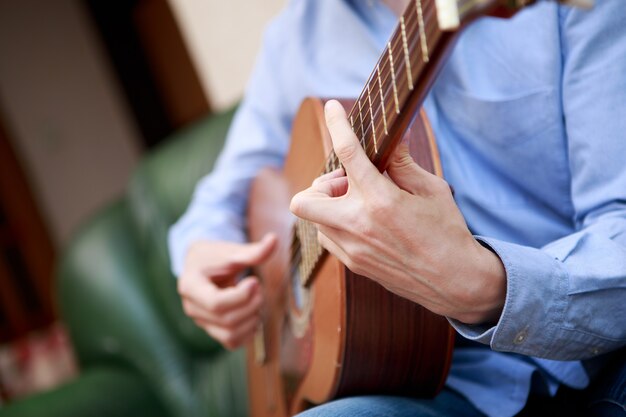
<point x="409" y="65"/>
<point x="399" y="82"/>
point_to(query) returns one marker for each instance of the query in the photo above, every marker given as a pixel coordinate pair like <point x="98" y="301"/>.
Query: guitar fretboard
<point x="396" y="75"/>
<point x="396" y="86"/>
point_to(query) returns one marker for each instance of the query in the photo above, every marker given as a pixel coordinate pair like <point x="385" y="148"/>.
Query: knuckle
<point x="346" y="151"/>
<point x="440" y="186"/>
<point x="402" y="160"/>
<point x="208" y="330"/>
<point x="295" y="206"/>
<point x="187" y="308"/>
<point x="215" y="306"/>
<point x="367" y="230"/>
<point x="349" y="263"/>
<point x="379" y="206"/>
<point x="357" y="259"/>
<point x="183" y="287"/>
<point x="230" y="340"/>
<point x="229" y="321"/>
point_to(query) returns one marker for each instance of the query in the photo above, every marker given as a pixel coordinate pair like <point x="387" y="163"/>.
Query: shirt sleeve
<point x="258" y="138"/>
<point x="567" y="300"/>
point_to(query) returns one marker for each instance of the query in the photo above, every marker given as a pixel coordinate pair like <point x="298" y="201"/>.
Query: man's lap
<point x="447" y="403"/>
<point x="605" y="398"/>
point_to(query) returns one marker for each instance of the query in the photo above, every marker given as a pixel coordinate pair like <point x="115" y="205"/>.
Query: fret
<point x="422" y="33"/>
<point x="309" y="258"/>
<point x="397" y="77"/>
<point x="382" y="100"/>
<point x="385" y="77"/>
<point x="304" y="243"/>
<point x="309" y="249"/>
<point x="300" y="234"/>
<point x="393" y="78"/>
<point x="362" y="138"/>
<point x="407" y="61"/>
<point x="369" y="98"/>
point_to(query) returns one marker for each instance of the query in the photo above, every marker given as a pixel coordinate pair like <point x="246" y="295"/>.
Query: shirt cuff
<point x="535" y="303"/>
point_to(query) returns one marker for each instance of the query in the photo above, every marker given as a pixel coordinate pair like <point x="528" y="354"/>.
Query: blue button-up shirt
<point x="530" y="116"/>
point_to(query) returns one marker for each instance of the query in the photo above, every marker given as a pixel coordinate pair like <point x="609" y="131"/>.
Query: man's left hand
<point x="405" y="232"/>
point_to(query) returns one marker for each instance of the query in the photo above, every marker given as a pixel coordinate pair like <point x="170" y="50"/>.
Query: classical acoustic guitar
<point x="327" y="332"/>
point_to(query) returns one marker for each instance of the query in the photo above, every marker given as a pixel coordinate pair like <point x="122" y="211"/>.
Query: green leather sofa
<point x="139" y="354"/>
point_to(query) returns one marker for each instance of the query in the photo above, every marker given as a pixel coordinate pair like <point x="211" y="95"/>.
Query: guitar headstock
<point x="451" y="14"/>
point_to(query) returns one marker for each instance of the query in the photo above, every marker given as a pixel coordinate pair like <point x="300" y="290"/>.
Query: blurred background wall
<point x="224" y="49"/>
<point x="86" y="88"/>
<point x="63" y="110"/>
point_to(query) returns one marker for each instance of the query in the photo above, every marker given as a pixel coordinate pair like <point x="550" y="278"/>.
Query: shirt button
<point x="594" y="351"/>
<point x="520" y="337"/>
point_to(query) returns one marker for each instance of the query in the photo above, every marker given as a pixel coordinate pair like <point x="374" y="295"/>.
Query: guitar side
<point x="268" y="211"/>
<point x="345" y="334"/>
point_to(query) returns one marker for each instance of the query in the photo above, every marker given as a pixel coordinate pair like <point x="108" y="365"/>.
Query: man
<point x="528" y="258"/>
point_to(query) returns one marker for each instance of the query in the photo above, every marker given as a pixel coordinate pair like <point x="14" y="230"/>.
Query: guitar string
<point x="411" y="26"/>
<point x="464" y="4"/>
<point x="365" y="131"/>
<point x="395" y="39"/>
<point x="397" y="50"/>
<point x="410" y="23"/>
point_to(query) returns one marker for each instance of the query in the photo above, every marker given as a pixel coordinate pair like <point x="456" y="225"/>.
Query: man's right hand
<point x="228" y="311"/>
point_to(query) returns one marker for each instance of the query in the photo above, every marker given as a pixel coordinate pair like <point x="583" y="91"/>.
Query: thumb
<point x="406" y="173"/>
<point x="347" y="146"/>
<point x="256" y="252"/>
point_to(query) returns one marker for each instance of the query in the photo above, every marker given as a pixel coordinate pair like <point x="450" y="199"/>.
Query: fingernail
<point x="254" y="284"/>
<point x="329" y="105"/>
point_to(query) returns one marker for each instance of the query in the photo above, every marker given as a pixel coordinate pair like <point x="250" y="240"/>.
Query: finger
<point x="234" y="338"/>
<point x="254" y="253"/>
<point x="333" y="187"/>
<point x="333" y="248"/>
<point x="229" y="318"/>
<point x="316" y="204"/>
<point x="407" y="174"/>
<point x="218" y="301"/>
<point x="346" y="145"/>
<point x="235" y="317"/>
<point x="330" y="175"/>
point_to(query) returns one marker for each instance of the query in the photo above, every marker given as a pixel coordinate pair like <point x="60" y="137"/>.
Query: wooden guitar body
<point x="342" y="334"/>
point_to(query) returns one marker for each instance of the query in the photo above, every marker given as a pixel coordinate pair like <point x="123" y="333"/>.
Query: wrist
<point x="485" y="292"/>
